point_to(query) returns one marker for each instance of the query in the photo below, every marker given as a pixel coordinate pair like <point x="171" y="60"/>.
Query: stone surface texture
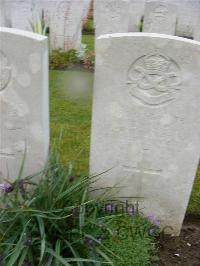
<point x="136" y="12"/>
<point x="160" y="17"/>
<point x="111" y="16"/>
<point x="2" y="13"/>
<point x="188" y="12"/>
<point x="24" y="111"/>
<point x="86" y="7"/>
<point x="197" y="29"/>
<point x="19" y="14"/>
<point x="63" y="17"/>
<point x="66" y="24"/>
<point x="146" y="121"/>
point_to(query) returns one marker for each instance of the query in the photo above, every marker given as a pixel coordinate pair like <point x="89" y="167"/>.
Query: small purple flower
<point x="89" y="243"/>
<point x="1" y="258"/>
<point x="71" y="178"/>
<point x="153" y="219"/>
<point x="6" y="188"/>
<point x="28" y="242"/>
<point x="130" y="210"/>
<point x="26" y="263"/>
<point x="109" y="208"/>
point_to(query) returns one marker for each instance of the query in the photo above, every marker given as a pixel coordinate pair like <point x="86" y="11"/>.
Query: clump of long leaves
<point x="51" y="221"/>
<point x="39" y="26"/>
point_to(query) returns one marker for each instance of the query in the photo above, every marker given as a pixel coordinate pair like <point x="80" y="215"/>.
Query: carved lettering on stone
<point x="5" y="71"/>
<point x="13" y="131"/>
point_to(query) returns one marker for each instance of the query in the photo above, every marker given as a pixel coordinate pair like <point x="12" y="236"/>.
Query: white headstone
<point x="48" y="8"/>
<point x="160" y="17"/>
<point x="2" y="13"/>
<point x="45" y="8"/>
<point x="197" y="29"/>
<point x="136" y="12"/>
<point x="24" y="114"/>
<point x="41" y="8"/>
<point x="146" y="121"/>
<point x="111" y="16"/>
<point x="86" y="7"/>
<point x="187" y="13"/>
<point x="19" y="14"/>
<point x="66" y="25"/>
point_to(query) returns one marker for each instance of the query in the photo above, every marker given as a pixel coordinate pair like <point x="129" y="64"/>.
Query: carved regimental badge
<point x="5" y="71"/>
<point x="154" y="79"/>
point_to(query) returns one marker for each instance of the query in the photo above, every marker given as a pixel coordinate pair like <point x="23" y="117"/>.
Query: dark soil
<point x="183" y="250"/>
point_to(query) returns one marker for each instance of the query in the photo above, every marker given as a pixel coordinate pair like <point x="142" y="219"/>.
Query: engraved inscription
<point x="113" y="6"/>
<point x="154" y="79"/>
<point x="12" y="131"/>
<point x="5" y="71"/>
<point x="139" y="172"/>
<point x="61" y="24"/>
<point x="160" y="13"/>
<point x="114" y="10"/>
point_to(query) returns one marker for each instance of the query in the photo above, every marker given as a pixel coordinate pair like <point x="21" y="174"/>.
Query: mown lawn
<point x="89" y="41"/>
<point x="194" y="204"/>
<point x="70" y="110"/>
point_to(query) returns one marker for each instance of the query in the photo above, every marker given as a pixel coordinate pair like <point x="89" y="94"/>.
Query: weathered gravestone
<point x="86" y="8"/>
<point x="136" y="12"/>
<point x="45" y="9"/>
<point x="146" y="121"/>
<point x="48" y="9"/>
<point x="24" y="115"/>
<point x="111" y="16"/>
<point x="66" y="24"/>
<point x="197" y="29"/>
<point x="19" y="14"/>
<point x="160" y="17"/>
<point x="2" y="13"/>
<point x="63" y="17"/>
<point x="187" y="13"/>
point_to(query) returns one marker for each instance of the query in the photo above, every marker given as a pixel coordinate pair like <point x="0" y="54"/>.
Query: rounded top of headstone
<point x="23" y="33"/>
<point x="147" y="34"/>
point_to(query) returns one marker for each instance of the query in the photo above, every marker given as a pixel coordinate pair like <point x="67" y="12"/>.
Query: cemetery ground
<point x="71" y="100"/>
<point x="70" y="108"/>
<point x="54" y="220"/>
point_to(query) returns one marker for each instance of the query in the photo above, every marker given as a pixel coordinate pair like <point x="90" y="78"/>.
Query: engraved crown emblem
<point x="156" y="62"/>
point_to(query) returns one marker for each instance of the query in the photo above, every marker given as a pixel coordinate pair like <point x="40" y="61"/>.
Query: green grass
<point x="54" y="222"/>
<point x="71" y="98"/>
<point x="70" y="111"/>
<point x="132" y="241"/>
<point x="194" y="204"/>
<point x="89" y="26"/>
<point x="89" y="40"/>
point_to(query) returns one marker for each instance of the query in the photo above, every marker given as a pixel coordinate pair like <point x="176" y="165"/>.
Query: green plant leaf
<point x="42" y="235"/>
